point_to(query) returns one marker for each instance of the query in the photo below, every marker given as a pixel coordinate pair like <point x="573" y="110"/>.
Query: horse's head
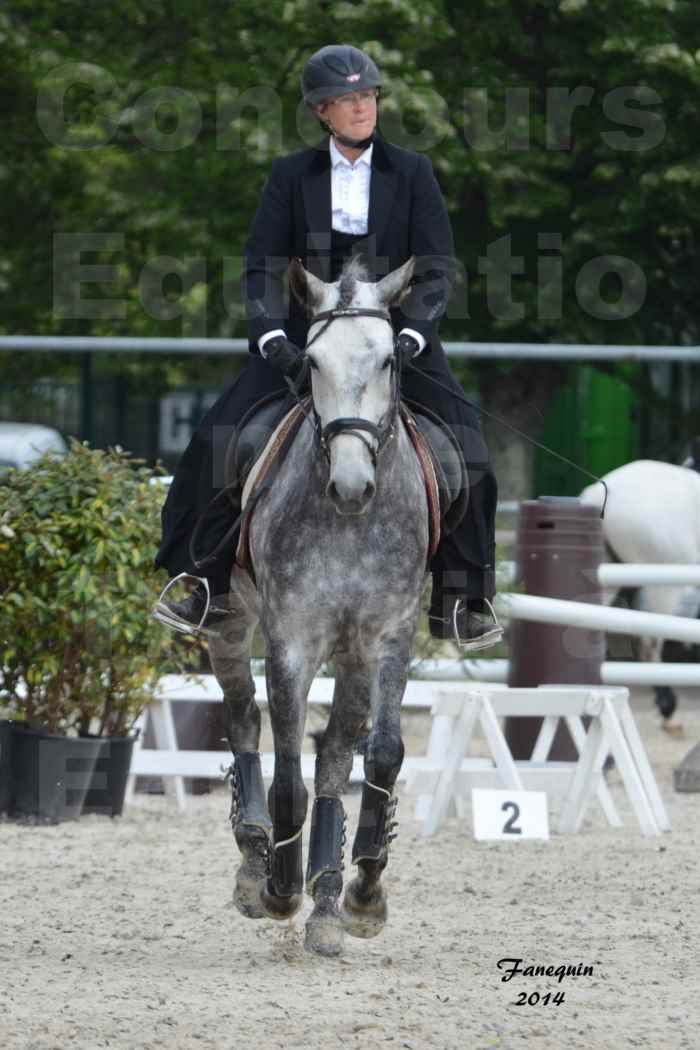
<point x="353" y="378"/>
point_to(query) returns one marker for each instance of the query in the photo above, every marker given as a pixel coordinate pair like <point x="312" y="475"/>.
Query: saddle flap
<point x="253" y="435"/>
<point x="262" y="473"/>
<point x="429" y="476"/>
<point x="448" y="465"/>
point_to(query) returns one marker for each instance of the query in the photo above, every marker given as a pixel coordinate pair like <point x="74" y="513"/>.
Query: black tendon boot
<point x="283" y="894"/>
<point x="248" y="802"/>
<point x="252" y="828"/>
<point x="375" y="829"/>
<point x="327" y="840"/>
<point x="324" y="875"/>
<point x="364" y="905"/>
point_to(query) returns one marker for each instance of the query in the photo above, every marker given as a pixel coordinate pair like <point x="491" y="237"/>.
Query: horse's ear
<point x="307" y="288"/>
<point x="393" y="288"/>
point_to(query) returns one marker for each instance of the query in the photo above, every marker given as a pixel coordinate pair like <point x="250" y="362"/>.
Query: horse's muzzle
<point x="349" y="499"/>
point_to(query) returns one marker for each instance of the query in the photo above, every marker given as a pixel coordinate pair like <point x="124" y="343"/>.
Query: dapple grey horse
<point x="652" y="516"/>
<point x="339" y="546"/>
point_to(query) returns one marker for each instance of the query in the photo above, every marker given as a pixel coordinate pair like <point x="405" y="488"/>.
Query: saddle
<point x="264" y="442"/>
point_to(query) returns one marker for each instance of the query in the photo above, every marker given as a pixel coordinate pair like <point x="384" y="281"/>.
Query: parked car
<point x="21" y="444"/>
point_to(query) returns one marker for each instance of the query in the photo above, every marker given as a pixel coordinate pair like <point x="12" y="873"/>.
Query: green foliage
<point x="616" y="177"/>
<point x="78" y="647"/>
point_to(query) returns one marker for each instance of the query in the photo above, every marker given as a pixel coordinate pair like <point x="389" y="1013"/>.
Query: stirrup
<point x="492" y="637"/>
<point x="164" y="615"/>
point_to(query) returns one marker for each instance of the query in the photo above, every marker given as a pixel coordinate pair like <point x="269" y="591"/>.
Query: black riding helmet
<point x="336" y="70"/>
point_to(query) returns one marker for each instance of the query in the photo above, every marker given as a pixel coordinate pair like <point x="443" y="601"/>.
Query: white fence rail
<point x="612" y="574"/>
<point x="600" y="617"/>
<point x="612" y="672"/>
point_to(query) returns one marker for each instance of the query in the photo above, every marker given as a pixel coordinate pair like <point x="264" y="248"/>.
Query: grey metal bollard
<point x="559" y="546"/>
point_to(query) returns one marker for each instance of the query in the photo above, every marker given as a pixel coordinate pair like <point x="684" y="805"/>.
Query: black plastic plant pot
<point x="109" y="777"/>
<point x="5" y="765"/>
<point x="51" y="774"/>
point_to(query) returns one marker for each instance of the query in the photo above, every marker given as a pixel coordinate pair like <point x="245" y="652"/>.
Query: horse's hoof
<point x="246" y="896"/>
<point x="279" y="907"/>
<point x="324" y="932"/>
<point x="364" y="917"/>
<point x="672" y="727"/>
<point x="251" y="875"/>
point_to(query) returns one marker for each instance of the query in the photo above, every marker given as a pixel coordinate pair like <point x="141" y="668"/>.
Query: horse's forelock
<point x="354" y="270"/>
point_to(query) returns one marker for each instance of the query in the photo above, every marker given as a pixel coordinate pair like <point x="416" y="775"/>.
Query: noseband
<point x="352" y="424"/>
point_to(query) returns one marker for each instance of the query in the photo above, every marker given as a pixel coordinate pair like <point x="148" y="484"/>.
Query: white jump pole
<point x="623" y="672"/>
<point x="599" y="618"/>
<point x="612" y="672"/>
<point x="612" y="574"/>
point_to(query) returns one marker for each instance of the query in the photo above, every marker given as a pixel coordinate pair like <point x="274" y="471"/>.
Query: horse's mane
<point x="354" y="270"/>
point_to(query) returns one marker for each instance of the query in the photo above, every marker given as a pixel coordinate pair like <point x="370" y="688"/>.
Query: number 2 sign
<point x="509" y="815"/>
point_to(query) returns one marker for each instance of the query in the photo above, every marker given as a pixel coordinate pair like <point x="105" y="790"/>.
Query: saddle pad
<point x="271" y="456"/>
<point x="431" y="485"/>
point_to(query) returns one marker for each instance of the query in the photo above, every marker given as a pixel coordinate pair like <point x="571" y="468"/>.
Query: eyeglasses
<point x="355" y="98"/>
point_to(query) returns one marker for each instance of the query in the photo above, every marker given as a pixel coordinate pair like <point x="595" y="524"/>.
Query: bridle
<point x="383" y="431"/>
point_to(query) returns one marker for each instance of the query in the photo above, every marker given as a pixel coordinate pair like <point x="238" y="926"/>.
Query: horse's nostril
<point x="331" y="490"/>
<point x="369" y="491"/>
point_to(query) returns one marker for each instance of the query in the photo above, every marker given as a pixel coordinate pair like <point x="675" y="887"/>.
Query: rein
<point x="343" y="425"/>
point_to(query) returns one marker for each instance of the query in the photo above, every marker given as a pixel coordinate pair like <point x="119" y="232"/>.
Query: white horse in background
<point x="652" y="516"/>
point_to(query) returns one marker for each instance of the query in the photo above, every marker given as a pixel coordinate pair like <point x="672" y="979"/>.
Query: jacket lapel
<point x="316" y="190"/>
<point x="382" y="193"/>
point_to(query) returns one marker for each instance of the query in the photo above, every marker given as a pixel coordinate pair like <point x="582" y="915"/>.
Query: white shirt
<point x="350" y="185"/>
<point x="350" y="190"/>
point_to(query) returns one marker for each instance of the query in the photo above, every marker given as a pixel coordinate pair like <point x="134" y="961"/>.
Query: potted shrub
<point x="80" y="655"/>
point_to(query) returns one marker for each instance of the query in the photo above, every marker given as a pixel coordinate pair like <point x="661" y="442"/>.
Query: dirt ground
<point x="121" y="934"/>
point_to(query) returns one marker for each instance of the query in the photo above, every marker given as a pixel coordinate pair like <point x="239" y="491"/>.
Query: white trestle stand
<point x="172" y="765"/>
<point x="443" y="778"/>
<point x="446" y="780"/>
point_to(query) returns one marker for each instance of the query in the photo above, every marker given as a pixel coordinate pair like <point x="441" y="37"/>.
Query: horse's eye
<point x="387" y="361"/>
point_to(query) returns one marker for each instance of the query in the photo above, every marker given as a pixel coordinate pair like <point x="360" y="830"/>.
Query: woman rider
<point x="353" y="193"/>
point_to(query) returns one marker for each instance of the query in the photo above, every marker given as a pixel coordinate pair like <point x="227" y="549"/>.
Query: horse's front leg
<point x="324" y="879"/>
<point x="229" y="651"/>
<point x="364" y="904"/>
<point x="290" y="671"/>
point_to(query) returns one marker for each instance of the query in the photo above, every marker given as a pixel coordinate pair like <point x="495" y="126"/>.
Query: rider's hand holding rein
<point x="283" y="354"/>
<point x="406" y="347"/>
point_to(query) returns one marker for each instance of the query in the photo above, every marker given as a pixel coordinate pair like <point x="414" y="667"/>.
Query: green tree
<point x="154" y="128"/>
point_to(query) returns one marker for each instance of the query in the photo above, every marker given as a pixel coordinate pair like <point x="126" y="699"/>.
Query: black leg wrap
<point x="248" y="801"/>
<point x="375" y="829"/>
<point x="327" y="839"/>
<point x="286" y="873"/>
